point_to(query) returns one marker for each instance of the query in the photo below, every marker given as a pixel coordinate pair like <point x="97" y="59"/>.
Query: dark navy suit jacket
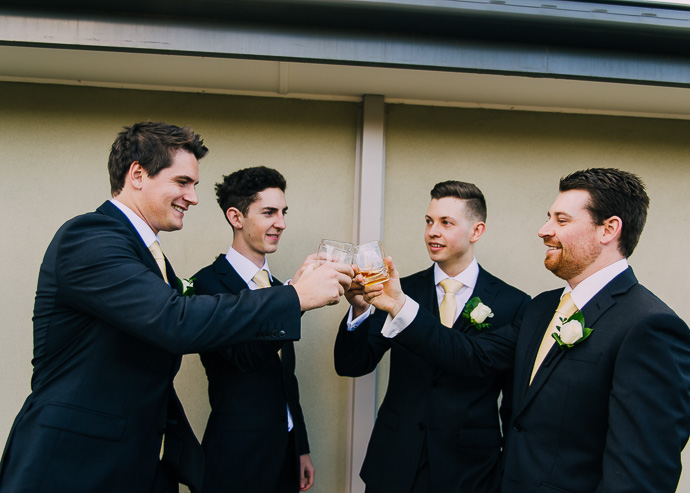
<point x="456" y="419"/>
<point x="246" y="437"/>
<point x="108" y="335"/>
<point x="611" y="414"/>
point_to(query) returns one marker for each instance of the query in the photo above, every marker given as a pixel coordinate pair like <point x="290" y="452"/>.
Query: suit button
<point x="274" y="333"/>
<point x="281" y="333"/>
<point x="517" y="427"/>
<point x="421" y="426"/>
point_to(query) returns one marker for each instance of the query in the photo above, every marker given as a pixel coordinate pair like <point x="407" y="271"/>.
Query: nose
<point x="280" y="221"/>
<point x="192" y="197"/>
<point x="546" y="230"/>
<point x="432" y="230"/>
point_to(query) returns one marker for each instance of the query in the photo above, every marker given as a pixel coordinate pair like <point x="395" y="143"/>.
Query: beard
<point x="573" y="261"/>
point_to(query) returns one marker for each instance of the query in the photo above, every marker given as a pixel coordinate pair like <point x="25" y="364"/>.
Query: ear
<point x="478" y="229"/>
<point x="136" y="175"/>
<point x="235" y="217"/>
<point x="611" y="230"/>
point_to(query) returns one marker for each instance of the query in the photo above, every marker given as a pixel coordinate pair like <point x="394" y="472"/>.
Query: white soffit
<point x="336" y="82"/>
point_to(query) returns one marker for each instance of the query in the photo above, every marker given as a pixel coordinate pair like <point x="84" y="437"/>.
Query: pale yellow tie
<point x="565" y="309"/>
<point x="261" y="279"/>
<point x="157" y="253"/>
<point x="448" y="304"/>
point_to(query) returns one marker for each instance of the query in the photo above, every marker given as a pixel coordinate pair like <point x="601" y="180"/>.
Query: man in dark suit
<point x="602" y="390"/>
<point x="434" y="432"/>
<point x="255" y="439"/>
<point x="110" y="325"/>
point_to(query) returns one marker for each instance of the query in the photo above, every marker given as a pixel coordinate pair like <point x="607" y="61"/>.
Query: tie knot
<point x="156" y="251"/>
<point x="450" y="285"/>
<point x="567" y="306"/>
<point x="261" y="279"/>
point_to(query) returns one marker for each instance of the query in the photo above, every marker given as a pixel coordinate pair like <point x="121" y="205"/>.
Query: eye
<point x="428" y="221"/>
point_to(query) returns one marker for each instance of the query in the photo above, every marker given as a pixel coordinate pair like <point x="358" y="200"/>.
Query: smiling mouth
<point x="436" y="245"/>
<point x="178" y="209"/>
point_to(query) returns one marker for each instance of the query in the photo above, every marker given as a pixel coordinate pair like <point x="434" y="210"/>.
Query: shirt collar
<point x="145" y="232"/>
<point x="588" y="288"/>
<point x="245" y="267"/>
<point x="467" y="277"/>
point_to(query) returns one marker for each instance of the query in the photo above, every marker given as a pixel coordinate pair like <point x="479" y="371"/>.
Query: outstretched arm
<point x="424" y="335"/>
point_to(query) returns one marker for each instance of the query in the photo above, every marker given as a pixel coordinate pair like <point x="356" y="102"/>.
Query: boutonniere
<point x="573" y="331"/>
<point x="186" y="286"/>
<point x="476" y="312"/>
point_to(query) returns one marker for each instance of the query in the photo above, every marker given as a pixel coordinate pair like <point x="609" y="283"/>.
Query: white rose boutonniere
<point x="476" y="312"/>
<point x="573" y="331"/>
<point x="186" y="286"/>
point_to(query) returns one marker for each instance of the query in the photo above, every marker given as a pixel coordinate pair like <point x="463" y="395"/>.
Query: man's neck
<point x="453" y="267"/>
<point x="602" y="262"/>
<point x="256" y="258"/>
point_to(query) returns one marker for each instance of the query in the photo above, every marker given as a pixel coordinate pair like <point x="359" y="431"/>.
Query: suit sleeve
<point x="245" y="357"/>
<point x="454" y="352"/>
<point x="357" y="352"/>
<point x="649" y="408"/>
<point x="100" y="272"/>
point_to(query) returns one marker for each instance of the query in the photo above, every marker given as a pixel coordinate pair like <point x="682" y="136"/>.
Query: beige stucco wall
<point x="54" y="143"/>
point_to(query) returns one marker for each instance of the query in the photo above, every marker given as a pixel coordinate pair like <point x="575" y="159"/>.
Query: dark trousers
<point x="422" y="478"/>
<point x="289" y="473"/>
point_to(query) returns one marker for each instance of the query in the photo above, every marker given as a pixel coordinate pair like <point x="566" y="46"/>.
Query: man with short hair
<point x="602" y="367"/>
<point x="433" y="432"/>
<point x="256" y="438"/>
<point x="110" y="325"/>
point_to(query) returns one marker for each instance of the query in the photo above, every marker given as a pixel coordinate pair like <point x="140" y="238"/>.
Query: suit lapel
<point x="228" y="276"/>
<point x="108" y="209"/>
<point x="592" y="311"/>
<point x="424" y="291"/>
<point x="486" y="290"/>
<point x="536" y="337"/>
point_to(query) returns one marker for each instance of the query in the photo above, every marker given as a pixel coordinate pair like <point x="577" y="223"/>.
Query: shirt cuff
<point x="394" y="326"/>
<point x="353" y="324"/>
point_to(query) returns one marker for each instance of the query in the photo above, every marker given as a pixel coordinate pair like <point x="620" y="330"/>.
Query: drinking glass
<point x="335" y="251"/>
<point x="369" y="258"/>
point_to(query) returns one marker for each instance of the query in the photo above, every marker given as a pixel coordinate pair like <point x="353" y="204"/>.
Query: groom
<point x="607" y="410"/>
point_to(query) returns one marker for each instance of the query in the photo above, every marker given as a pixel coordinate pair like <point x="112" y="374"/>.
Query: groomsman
<point x="256" y="438"/>
<point x="434" y="432"/>
<point x="111" y="324"/>
<point x="602" y="366"/>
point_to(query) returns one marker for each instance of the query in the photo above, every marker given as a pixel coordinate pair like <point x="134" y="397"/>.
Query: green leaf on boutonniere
<point x="572" y="331"/>
<point x="186" y="286"/>
<point x="475" y="312"/>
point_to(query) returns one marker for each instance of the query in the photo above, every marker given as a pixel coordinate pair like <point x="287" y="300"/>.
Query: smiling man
<point x="256" y="438"/>
<point x="110" y="325"/>
<point x="604" y="404"/>
<point x="435" y="433"/>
